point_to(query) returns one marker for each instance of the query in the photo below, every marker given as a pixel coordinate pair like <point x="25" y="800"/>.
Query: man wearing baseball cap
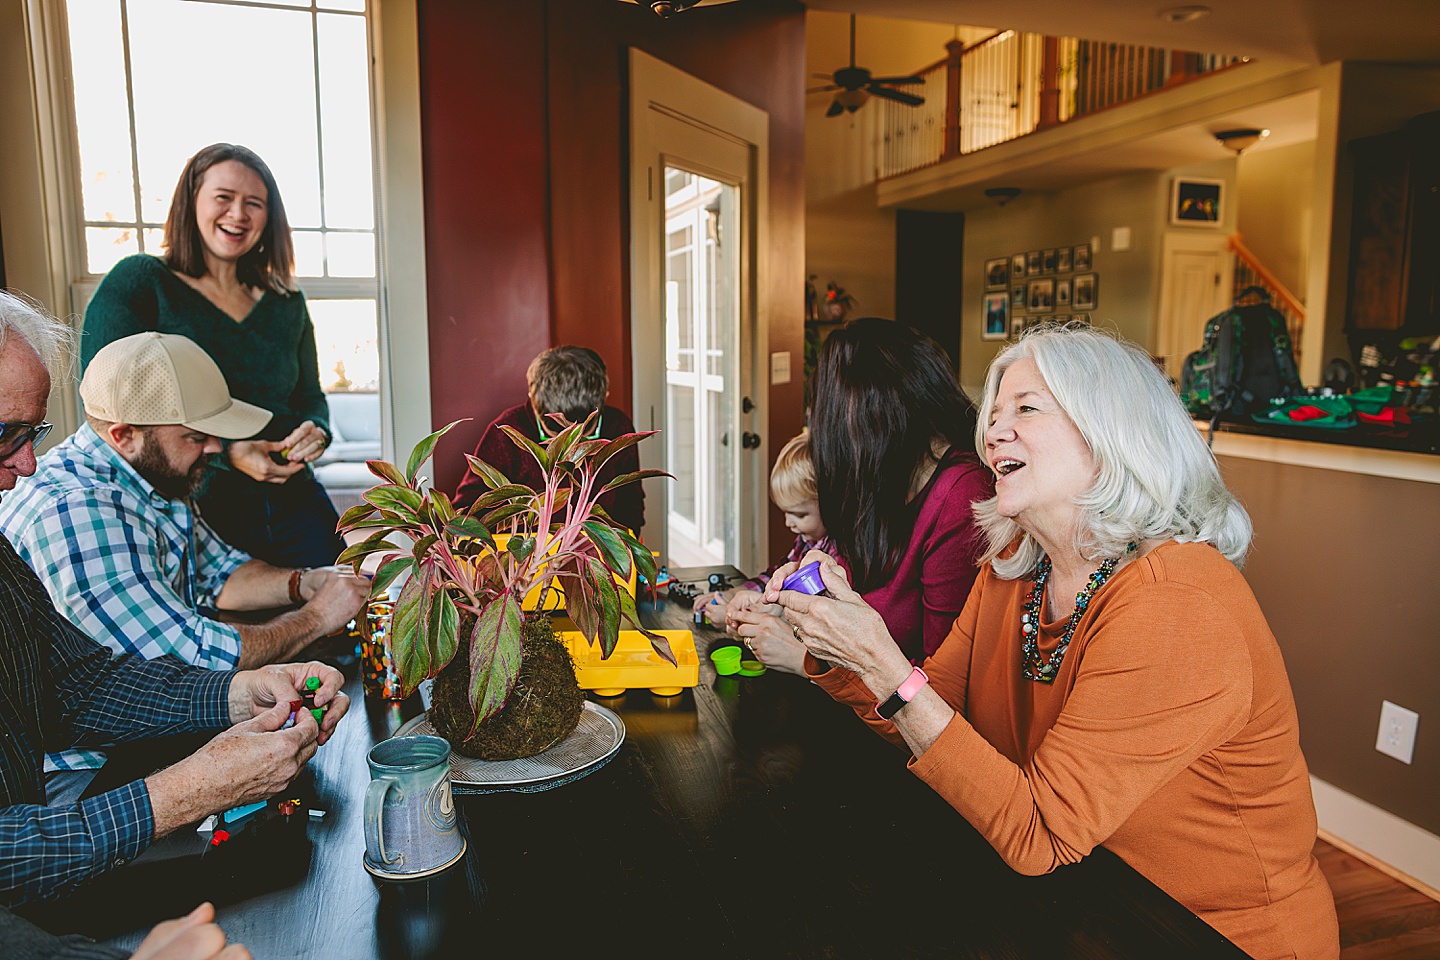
<point x="107" y="524"/>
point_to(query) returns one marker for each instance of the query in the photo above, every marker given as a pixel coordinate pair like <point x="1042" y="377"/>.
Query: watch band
<point x="902" y="696"/>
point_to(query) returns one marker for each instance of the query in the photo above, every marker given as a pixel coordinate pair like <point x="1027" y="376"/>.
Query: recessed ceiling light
<point x="1184" y="14"/>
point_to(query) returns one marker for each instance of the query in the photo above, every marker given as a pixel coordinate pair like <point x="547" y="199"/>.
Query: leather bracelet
<point x="296" y="576"/>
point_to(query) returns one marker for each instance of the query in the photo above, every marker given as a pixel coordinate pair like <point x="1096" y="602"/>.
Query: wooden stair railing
<point x="1250" y="272"/>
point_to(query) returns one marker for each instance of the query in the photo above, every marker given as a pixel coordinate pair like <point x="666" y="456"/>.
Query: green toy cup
<point x="726" y="660"/>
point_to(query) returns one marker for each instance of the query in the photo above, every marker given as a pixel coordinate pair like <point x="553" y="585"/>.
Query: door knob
<point x="746" y="405"/>
<point x="750" y="441"/>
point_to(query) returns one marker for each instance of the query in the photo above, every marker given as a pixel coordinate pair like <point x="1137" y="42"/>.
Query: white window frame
<point x="47" y="238"/>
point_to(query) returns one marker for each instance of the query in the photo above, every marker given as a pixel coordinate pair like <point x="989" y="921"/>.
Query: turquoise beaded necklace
<point x="1032" y="666"/>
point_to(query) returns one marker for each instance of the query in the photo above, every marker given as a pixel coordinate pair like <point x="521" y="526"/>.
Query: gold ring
<point x="796" y="631"/>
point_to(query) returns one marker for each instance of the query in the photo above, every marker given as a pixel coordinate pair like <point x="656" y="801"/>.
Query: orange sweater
<point x="1169" y="735"/>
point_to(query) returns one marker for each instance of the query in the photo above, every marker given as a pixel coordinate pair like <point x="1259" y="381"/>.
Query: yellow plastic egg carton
<point x="634" y="664"/>
<point x="555" y="601"/>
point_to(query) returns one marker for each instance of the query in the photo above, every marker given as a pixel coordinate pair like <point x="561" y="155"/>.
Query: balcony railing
<point x="1011" y="84"/>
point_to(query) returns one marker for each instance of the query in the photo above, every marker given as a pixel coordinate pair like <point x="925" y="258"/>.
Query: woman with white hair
<point x="1112" y="679"/>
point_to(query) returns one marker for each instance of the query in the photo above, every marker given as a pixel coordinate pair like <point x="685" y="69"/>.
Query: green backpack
<point x="1245" y="362"/>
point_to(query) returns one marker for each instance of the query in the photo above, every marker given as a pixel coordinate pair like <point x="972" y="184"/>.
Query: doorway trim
<point x="661" y="93"/>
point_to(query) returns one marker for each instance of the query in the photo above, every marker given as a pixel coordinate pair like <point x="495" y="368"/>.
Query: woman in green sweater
<point x="227" y="282"/>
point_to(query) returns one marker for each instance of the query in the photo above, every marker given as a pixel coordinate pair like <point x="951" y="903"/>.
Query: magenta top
<point x="921" y="601"/>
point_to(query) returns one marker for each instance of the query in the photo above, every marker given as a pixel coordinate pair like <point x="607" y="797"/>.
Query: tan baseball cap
<point x="150" y="379"/>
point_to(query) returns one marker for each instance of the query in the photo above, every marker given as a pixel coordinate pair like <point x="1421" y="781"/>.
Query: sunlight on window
<point x="348" y="361"/>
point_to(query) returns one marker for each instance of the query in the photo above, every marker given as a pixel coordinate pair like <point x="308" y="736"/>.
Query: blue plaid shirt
<point x="131" y="568"/>
<point x="59" y="687"/>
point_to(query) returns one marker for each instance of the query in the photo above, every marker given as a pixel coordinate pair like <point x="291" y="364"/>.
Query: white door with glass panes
<point x="698" y="179"/>
<point x="701" y="369"/>
<point x="156" y="80"/>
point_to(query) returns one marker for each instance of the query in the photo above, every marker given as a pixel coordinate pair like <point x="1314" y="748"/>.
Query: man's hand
<point x="253" y="692"/>
<point x="335" y="595"/>
<point x="192" y="937"/>
<point x="251" y="761"/>
<point x="252" y="458"/>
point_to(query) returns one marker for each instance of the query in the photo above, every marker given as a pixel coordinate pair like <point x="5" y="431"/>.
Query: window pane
<point x="106" y="246"/>
<point x="345" y="342"/>
<point x="154" y="241"/>
<point x="107" y="183"/>
<point x="350" y="254"/>
<point x="309" y="253"/>
<point x="345" y="121"/>
<point x="175" y="43"/>
<point x="356" y="5"/>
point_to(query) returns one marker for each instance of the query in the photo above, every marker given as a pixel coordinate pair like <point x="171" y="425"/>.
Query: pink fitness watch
<point x="904" y="695"/>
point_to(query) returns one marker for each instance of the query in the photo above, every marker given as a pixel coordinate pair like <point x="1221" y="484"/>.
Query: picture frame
<point x="1040" y="295"/>
<point x="1047" y="261"/>
<point x="1032" y="263"/>
<point x="1084" y="294"/>
<point x="1062" y="293"/>
<point x="997" y="273"/>
<point x="1080" y="257"/>
<point x="1196" y="202"/>
<point x="1063" y="263"/>
<point x="1017" y="298"/>
<point x="995" y="316"/>
<point x="1017" y="266"/>
<point x="1018" y="323"/>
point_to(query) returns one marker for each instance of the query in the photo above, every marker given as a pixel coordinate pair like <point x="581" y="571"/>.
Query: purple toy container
<point x="807" y="580"/>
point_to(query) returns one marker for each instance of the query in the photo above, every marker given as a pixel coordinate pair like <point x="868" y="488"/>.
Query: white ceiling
<point x="1300" y="31"/>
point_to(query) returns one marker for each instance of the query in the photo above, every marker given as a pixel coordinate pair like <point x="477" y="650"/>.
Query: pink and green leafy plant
<point x="558" y="535"/>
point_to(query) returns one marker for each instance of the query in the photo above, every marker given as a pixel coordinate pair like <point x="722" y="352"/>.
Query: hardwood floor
<point x="1380" y="917"/>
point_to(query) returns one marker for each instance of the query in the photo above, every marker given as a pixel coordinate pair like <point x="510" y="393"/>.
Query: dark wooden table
<point x="748" y="818"/>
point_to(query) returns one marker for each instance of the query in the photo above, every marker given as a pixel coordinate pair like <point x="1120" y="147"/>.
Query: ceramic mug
<point x="410" y="828"/>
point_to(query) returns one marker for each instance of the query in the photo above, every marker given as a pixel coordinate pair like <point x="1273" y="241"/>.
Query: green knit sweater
<point x="268" y="360"/>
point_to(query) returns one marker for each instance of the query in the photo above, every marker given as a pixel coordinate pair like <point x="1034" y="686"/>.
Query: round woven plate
<point x="588" y="748"/>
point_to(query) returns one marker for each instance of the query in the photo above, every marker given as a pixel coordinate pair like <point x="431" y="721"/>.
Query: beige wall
<point x="1273" y="189"/>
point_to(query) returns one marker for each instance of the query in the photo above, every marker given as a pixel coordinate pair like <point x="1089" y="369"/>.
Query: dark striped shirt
<point x="59" y="688"/>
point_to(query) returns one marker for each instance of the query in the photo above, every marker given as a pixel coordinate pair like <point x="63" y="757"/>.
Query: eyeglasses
<point x="548" y="427"/>
<point x="13" y="436"/>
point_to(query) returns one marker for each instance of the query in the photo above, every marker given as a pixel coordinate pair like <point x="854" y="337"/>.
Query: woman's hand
<point x="252" y="458"/>
<point x="305" y="443"/>
<point x="770" y="638"/>
<point x="842" y="628"/>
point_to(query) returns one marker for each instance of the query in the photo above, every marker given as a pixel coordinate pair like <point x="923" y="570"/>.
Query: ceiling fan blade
<point x="897" y="80"/>
<point x="825" y="89"/>
<point x="908" y="99"/>
<point x="835" y="109"/>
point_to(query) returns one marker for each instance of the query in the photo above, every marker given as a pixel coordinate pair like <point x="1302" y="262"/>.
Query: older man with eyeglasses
<point x="62" y="687"/>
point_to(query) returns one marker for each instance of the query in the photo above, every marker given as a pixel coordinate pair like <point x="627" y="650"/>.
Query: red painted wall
<point x="544" y="258"/>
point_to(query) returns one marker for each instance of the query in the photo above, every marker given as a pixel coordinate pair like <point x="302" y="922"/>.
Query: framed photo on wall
<point x="995" y="317"/>
<point x="1040" y="295"/>
<point x="1017" y="266"/>
<point x="1017" y="297"/>
<point x="1081" y="257"/>
<point x="1047" y="261"/>
<point x="1195" y="202"/>
<point x="1017" y="325"/>
<point x="1062" y="294"/>
<point x="1032" y="263"/>
<point x="1083" y="296"/>
<point x="997" y="273"/>
<point x="1062" y="260"/>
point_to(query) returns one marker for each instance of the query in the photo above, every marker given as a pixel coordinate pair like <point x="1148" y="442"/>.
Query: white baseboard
<point x="1397" y="843"/>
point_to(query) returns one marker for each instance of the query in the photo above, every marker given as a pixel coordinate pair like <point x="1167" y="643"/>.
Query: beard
<point x="152" y="464"/>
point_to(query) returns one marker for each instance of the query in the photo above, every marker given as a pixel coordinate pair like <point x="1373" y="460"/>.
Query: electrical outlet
<point x="1397" y="731"/>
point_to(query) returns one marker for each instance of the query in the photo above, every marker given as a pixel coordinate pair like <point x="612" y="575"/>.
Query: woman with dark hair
<point x="892" y="440"/>
<point x="227" y="282"/>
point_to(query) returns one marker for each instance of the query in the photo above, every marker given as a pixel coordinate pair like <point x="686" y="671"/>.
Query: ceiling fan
<point x="855" y="85"/>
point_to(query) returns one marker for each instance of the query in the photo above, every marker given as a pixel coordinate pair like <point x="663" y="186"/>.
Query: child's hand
<point x="742" y="600"/>
<point x="715" y="600"/>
